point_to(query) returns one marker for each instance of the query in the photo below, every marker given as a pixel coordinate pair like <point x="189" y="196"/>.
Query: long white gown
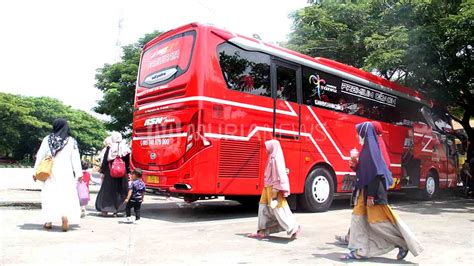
<point x="59" y="194"/>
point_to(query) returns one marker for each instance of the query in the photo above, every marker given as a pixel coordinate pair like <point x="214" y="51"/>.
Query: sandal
<point x="342" y="239"/>
<point x="297" y="233"/>
<point x="352" y="255"/>
<point x="257" y="235"/>
<point x="47" y="226"/>
<point x="402" y="253"/>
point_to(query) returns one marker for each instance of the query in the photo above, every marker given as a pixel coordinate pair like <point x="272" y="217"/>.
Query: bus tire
<point x="318" y="191"/>
<point x="431" y="187"/>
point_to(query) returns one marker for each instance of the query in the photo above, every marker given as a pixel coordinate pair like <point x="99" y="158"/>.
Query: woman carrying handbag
<point x="59" y="201"/>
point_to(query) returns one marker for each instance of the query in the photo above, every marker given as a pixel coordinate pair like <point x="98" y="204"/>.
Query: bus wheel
<point x="431" y="187"/>
<point x="318" y="191"/>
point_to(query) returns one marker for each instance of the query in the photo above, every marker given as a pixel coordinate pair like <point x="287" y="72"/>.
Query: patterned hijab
<point x="371" y="159"/>
<point x="60" y="135"/>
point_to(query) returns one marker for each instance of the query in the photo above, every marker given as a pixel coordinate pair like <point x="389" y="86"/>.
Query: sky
<point x="53" y="48"/>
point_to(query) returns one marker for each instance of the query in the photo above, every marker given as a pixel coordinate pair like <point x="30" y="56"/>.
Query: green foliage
<point x="27" y="120"/>
<point x="332" y="29"/>
<point x="426" y="45"/>
<point x="117" y="82"/>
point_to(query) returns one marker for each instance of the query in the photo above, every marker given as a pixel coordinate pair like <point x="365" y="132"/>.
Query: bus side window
<point x="320" y="89"/>
<point x="286" y="84"/>
<point x="245" y="71"/>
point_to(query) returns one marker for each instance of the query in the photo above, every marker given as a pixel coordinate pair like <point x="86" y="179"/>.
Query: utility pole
<point x="118" y="43"/>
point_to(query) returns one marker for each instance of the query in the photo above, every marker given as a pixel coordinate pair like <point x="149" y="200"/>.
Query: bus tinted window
<point x="328" y="91"/>
<point x="166" y="60"/>
<point x="286" y="84"/>
<point x="245" y="71"/>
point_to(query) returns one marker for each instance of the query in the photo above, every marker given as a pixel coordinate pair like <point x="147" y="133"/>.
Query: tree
<point x="27" y="120"/>
<point x="426" y="45"/>
<point x="16" y="117"/>
<point x="117" y="82"/>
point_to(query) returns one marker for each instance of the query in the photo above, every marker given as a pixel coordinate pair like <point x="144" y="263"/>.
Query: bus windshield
<point x="166" y="60"/>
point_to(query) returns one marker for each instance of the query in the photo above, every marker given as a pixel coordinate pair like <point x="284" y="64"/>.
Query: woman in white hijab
<point x="114" y="189"/>
<point x="274" y="214"/>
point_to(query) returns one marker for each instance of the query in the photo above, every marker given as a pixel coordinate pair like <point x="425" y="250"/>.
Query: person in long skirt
<point x="375" y="229"/>
<point x="274" y="214"/>
<point x="59" y="200"/>
<point x="113" y="190"/>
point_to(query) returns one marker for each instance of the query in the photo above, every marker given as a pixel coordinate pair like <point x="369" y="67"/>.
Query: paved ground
<point x="213" y="232"/>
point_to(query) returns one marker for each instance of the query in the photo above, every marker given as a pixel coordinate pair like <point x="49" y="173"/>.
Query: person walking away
<point x="136" y="193"/>
<point x="375" y="229"/>
<point x="86" y="177"/>
<point x="59" y="201"/>
<point x="467" y="179"/>
<point x="274" y="214"/>
<point x="344" y="239"/>
<point x="113" y="190"/>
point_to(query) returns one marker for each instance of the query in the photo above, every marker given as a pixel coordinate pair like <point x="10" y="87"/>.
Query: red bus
<point x="207" y="99"/>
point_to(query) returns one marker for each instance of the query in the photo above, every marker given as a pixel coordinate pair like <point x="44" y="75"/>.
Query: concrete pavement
<point x="213" y="232"/>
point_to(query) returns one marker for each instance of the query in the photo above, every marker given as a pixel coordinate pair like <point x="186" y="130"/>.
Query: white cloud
<point x="52" y="48"/>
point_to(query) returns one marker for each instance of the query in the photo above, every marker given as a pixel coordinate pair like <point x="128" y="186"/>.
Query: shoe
<point x="352" y="255"/>
<point x="83" y="213"/>
<point x="65" y="225"/>
<point x="47" y="226"/>
<point x="136" y="221"/>
<point x="297" y="233"/>
<point x="129" y="220"/>
<point x="257" y="235"/>
<point x="402" y="253"/>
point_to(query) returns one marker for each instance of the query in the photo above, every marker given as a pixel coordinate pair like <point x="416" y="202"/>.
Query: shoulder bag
<point x="44" y="169"/>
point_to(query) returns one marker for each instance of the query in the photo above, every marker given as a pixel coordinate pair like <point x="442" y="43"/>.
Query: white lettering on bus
<point x="330" y="88"/>
<point x="164" y="59"/>
<point x="156" y="142"/>
<point x="363" y="92"/>
<point x="158" y="120"/>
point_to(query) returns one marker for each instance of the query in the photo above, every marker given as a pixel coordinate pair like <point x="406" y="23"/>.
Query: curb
<point x="21" y="204"/>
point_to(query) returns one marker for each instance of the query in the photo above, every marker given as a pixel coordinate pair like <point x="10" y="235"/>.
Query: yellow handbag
<point x="44" y="168"/>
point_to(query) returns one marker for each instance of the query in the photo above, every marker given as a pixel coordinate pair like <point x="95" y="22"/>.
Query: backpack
<point x="117" y="168"/>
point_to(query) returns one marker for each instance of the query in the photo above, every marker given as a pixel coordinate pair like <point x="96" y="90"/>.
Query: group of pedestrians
<point x="59" y="196"/>
<point x="374" y="229"/>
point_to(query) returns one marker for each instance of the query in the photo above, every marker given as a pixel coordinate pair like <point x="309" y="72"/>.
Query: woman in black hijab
<point x="59" y="200"/>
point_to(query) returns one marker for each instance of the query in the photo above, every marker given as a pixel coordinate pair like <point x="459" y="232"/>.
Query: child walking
<point x="136" y="192"/>
<point x="86" y="177"/>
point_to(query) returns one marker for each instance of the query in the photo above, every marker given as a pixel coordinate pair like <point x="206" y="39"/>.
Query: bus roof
<point x="323" y="64"/>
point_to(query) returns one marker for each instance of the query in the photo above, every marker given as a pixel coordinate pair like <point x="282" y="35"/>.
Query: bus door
<point x="448" y="164"/>
<point x="452" y="162"/>
<point x="286" y="92"/>
<point x="447" y="171"/>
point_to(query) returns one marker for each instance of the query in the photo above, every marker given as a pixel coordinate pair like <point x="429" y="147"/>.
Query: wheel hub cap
<point x="320" y="189"/>
<point x="430" y="185"/>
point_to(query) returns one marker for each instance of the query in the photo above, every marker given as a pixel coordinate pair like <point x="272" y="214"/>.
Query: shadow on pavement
<point x="200" y="211"/>
<point x="336" y="256"/>
<point x="39" y="227"/>
<point x="177" y="211"/>
<point x="273" y="239"/>
<point x="438" y="207"/>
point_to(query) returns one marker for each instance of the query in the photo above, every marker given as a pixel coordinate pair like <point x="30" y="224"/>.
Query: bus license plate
<point x="153" y="179"/>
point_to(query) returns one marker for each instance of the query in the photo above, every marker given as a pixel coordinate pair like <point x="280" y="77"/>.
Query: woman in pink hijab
<point x="274" y="214"/>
